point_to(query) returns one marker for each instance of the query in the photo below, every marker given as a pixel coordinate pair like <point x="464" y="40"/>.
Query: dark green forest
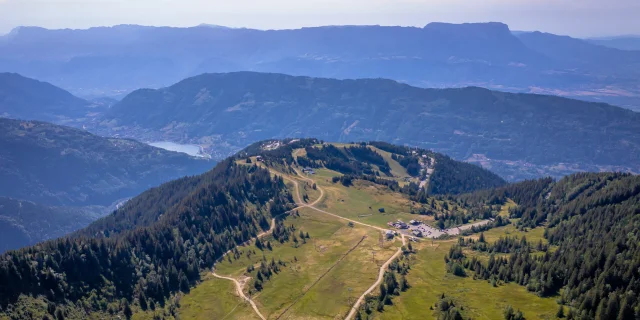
<point x="592" y="222"/>
<point x="155" y="246"/>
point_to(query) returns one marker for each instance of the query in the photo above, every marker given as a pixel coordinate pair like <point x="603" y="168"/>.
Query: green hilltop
<point x="304" y="228"/>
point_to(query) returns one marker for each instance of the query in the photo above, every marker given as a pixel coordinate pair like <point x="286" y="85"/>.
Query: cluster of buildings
<point x="416" y="227"/>
<point x="308" y="170"/>
<point x="398" y="224"/>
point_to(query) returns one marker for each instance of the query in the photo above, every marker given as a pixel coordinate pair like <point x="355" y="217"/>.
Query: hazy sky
<point x="580" y="18"/>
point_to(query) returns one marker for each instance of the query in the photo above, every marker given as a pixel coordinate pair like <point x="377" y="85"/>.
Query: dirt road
<point x="240" y="292"/>
<point x="383" y="268"/>
<point x="239" y="285"/>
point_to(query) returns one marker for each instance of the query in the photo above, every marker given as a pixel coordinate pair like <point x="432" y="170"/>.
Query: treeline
<point x="504" y="245"/>
<point x="411" y="163"/>
<point x="392" y="148"/>
<point x="354" y="160"/>
<point x="455" y="177"/>
<point x="393" y="284"/>
<point x="594" y="222"/>
<point x="526" y="193"/>
<point x="142" y="267"/>
<point x="282" y="155"/>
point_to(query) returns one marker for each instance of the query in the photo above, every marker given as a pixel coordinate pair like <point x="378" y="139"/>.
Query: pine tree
<point x="143" y="301"/>
<point x="383" y="291"/>
<point x="127" y="310"/>
<point x="560" y="313"/>
<point x="404" y="285"/>
<point x="59" y="314"/>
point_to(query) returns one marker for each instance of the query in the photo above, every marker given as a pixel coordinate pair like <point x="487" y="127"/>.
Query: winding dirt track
<point x="240" y="286"/>
<point x="383" y="268"/>
<point x="241" y="294"/>
<point x="300" y="203"/>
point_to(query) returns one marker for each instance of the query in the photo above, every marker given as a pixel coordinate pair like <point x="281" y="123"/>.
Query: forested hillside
<point x="157" y="246"/>
<point x="148" y="250"/>
<point x="592" y="222"/>
<point x="57" y="165"/>
<point x="516" y="135"/>
<point x="29" y="99"/>
<point x="24" y="223"/>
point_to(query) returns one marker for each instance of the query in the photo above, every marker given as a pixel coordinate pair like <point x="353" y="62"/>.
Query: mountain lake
<point x="190" y="149"/>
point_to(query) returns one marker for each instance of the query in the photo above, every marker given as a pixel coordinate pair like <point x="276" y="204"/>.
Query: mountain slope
<point x="216" y="211"/>
<point x="591" y="221"/>
<point x="517" y="135"/>
<point x="24" y="223"/>
<point x="159" y="243"/>
<point x="147" y="255"/>
<point x="58" y="165"/>
<point x="25" y="98"/>
<point x="116" y="60"/>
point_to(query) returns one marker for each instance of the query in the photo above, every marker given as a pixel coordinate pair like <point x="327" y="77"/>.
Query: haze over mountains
<point x="60" y="165"/>
<point x="622" y="42"/>
<point x="25" y="98"/>
<point x="116" y="60"/>
<point x="516" y="135"/>
<point x="56" y="179"/>
<point x="531" y="197"/>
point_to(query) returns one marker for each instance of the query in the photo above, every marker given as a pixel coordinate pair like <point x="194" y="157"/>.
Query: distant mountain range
<point x="113" y="61"/>
<point x="516" y="135"/>
<point x="63" y="166"/>
<point x="622" y="43"/>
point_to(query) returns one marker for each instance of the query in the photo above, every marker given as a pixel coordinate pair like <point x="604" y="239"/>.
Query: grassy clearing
<point x="362" y="200"/>
<point x="429" y="279"/>
<point x="330" y="239"/>
<point x="333" y="296"/>
<point x="215" y="299"/>
<point x="533" y="235"/>
<point x="504" y="210"/>
<point x="396" y="169"/>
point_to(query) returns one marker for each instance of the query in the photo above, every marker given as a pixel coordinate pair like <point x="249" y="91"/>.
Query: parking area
<point x="421" y="230"/>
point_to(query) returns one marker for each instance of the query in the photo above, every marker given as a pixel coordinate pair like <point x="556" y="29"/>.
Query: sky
<point x="578" y="18"/>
